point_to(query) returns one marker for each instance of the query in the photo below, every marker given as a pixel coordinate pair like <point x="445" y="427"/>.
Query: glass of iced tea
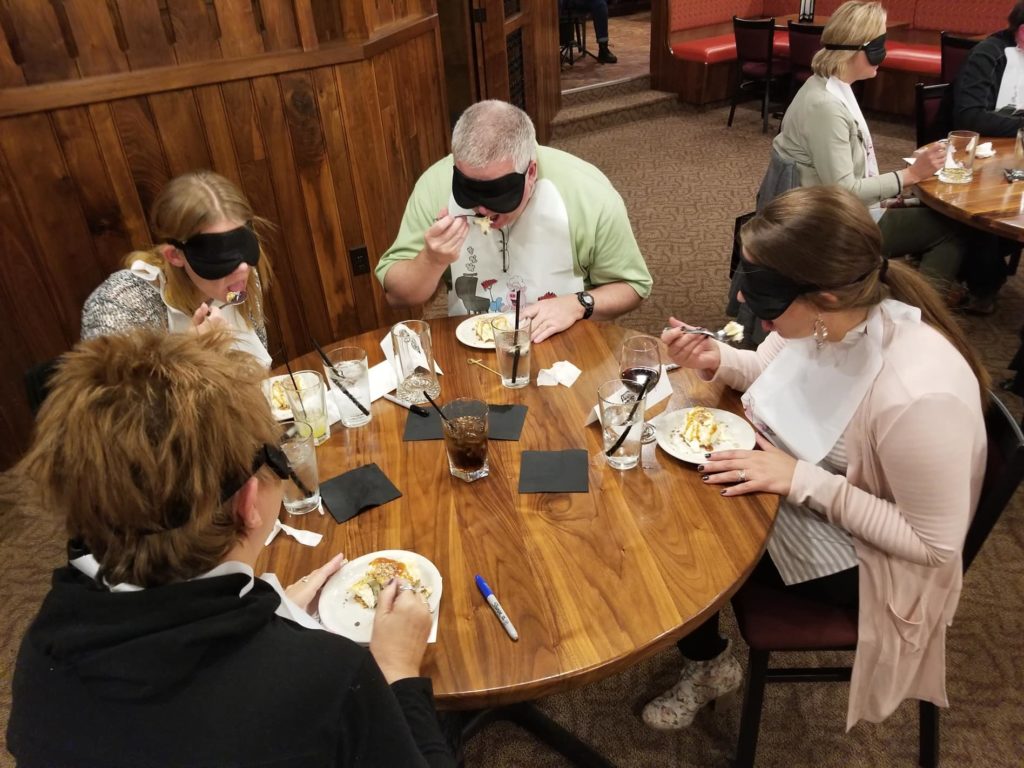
<point x="465" y="438"/>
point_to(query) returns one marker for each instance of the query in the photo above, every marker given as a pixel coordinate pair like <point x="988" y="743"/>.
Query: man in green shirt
<point x="502" y="217"/>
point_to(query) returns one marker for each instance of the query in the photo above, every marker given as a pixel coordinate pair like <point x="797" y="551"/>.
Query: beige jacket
<point x="916" y="451"/>
<point x="820" y="135"/>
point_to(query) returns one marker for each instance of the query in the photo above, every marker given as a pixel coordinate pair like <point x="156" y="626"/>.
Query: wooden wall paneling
<point x="339" y="160"/>
<point x="10" y="73"/>
<point x="195" y="37"/>
<point x="93" y="188"/>
<point x="303" y="315"/>
<point x="115" y="161"/>
<point x="136" y="131"/>
<point x="305" y="21"/>
<point x="144" y="33"/>
<point x="239" y="35"/>
<point x="547" y="66"/>
<point x="279" y="23"/>
<point x="43" y="49"/>
<point x="95" y="38"/>
<point x="492" y="53"/>
<point x="64" y="254"/>
<point x="177" y="123"/>
<point x="314" y="175"/>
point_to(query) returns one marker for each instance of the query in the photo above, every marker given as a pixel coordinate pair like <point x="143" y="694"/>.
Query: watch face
<point x="586" y="299"/>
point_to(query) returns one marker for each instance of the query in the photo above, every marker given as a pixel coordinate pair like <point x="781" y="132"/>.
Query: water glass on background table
<point x="297" y="444"/>
<point x="414" y="361"/>
<point x="512" y="346"/>
<point x="622" y="413"/>
<point x="640" y="368"/>
<point x="351" y="367"/>
<point x="959" y="165"/>
<point x="309" y="402"/>
<point x="465" y="438"/>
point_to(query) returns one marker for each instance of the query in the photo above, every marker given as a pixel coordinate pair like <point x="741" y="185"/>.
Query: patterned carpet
<point x="684" y="179"/>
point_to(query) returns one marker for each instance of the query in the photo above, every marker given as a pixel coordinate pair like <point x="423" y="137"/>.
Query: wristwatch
<point x="588" y="303"/>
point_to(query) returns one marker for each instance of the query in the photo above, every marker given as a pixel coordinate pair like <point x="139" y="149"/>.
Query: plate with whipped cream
<point x="689" y="433"/>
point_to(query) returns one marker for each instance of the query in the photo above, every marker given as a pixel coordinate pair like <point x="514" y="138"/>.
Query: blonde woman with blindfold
<point x="207" y="270"/>
<point x="868" y="401"/>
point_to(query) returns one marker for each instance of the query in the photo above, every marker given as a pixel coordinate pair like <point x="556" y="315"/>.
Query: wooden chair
<point x="804" y="42"/>
<point x="953" y="51"/>
<point x="933" y="117"/>
<point x="772" y="621"/>
<point x="755" y="62"/>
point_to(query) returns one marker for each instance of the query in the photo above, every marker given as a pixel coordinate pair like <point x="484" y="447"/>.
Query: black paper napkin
<point x="346" y="495"/>
<point x="554" y="471"/>
<point x="504" y="422"/>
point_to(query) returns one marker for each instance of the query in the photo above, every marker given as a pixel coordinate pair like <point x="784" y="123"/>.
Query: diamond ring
<point x="743" y="475"/>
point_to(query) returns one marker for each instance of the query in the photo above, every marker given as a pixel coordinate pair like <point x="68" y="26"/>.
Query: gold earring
<point x="820" y="332"/>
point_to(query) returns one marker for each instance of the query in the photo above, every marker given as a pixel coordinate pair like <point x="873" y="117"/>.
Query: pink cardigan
<point x="916" y="451"/>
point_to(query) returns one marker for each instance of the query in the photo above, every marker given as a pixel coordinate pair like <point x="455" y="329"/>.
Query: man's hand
<point x="401" y="626"/>
<point x="552" y="316"/>
<point x="443" y="240"/>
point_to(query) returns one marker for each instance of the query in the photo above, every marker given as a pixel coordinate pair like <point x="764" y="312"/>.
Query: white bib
<point x="1011" y="87"/>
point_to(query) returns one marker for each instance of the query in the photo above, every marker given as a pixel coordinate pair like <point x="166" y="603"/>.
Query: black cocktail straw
<point x="335" y="376"/>
<point x="436" y="406"/>
<point x="297" y="391"/>
<point x="515" y="336"/>
<point x="622" y="438"/>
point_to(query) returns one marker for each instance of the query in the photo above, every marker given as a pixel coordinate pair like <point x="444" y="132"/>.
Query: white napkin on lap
<point x="563" y="372"/>
<point x="309" y="538"/>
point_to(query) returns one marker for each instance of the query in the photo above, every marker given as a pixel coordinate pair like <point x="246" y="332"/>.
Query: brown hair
<point x="825" y="236"/>
<point x="853" y="23"/>
<point x="139" y="433"/>
<point x="186" y="205"/>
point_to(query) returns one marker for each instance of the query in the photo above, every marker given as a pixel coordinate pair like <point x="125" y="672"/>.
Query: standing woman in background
<point x="201" y="274"/>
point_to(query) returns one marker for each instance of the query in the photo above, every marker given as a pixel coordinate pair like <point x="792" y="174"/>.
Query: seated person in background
<point x="855" y="393"/>
<point x="562" y="234"/>
<point x="598" y="10"/>
<point x="201" y="274"/>
<point x="825" y="134"/>
<point x="156" y="646"/>
<point x="988" y="95"/>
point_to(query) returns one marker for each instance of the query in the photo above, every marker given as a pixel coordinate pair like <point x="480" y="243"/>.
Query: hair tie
<point x="882" y="270"/>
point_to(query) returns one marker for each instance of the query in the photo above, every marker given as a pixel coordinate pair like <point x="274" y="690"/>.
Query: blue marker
<point x="492" y="601"/>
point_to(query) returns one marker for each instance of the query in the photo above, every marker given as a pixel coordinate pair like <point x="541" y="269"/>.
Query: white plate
<point x="279" y="413"/>
<point x="466" y="333"/>
<point x="739" y="435"/>
<point x="340" y="612"/>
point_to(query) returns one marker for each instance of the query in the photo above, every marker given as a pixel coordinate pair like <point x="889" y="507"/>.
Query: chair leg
<point x="928" y="735"/>
<point x="750" y="716"/>
<point x="764" y="105"/>
<point x="735" y="101"/>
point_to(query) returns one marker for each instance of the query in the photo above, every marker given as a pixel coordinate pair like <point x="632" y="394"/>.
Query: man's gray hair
<point x="491" y="131"/>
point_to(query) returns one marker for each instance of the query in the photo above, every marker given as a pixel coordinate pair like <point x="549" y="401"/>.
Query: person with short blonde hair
<point x="863" y="377"/>
<point x="825" y="135"/>
<point x="156" y="644"/>
<point x="208" y="268"/>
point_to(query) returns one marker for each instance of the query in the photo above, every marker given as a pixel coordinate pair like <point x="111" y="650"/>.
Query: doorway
<point x="629" y="37"/>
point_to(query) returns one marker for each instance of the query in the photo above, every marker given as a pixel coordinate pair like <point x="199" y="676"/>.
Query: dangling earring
<point x="820" y="332"/>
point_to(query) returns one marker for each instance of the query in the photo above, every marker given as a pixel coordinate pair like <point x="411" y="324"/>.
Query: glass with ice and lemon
<point x="307" y="397"/>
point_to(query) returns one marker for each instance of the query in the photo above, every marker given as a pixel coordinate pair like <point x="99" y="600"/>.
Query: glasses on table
<point x="640" y="370"/>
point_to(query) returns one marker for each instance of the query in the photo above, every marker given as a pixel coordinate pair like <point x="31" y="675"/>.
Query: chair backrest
<point x="1003" y="474"/>
<point x="804" y="42"/>
<point x="953" y="51"/>
<point x="754" y="39"/>
<point x="933" y="111"/>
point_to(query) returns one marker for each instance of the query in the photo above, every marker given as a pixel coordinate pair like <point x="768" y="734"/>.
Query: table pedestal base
<point x="531" y="719"/>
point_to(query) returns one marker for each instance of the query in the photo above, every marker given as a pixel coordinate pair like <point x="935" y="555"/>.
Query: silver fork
<point x="719" y="335"/>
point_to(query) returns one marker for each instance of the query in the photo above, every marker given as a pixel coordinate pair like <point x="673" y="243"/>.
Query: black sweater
<point x="977" y="87"/>
<point x="191" y="674"/>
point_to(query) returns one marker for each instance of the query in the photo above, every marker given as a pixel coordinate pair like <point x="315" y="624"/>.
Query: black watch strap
<point x="587" y="301"/>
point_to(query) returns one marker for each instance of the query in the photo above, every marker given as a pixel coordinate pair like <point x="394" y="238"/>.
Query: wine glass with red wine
<point x="640" y="369"/>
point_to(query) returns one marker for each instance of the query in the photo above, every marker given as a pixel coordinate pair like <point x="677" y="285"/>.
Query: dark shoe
<point x="980" y="305"/>
<point x="605" y="56"/>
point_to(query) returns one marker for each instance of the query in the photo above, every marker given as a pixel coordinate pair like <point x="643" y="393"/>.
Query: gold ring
<point x="304" y="579"/>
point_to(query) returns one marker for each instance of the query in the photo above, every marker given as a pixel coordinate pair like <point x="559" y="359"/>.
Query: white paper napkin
<point x="563" y="372"/>
<point x="662" y="390"/>
<point x="984" y="150"/>
<point x="389" y="353"/>
<point x="309" y="538"/>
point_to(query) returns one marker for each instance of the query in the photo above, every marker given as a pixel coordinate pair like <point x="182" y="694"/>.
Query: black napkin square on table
<point x="504" y="422"/>
<point x="348" y="494"/>
<point x="554" y="471"/>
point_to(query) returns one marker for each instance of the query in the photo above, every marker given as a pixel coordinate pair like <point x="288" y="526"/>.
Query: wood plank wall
<point x="324" y="112"/>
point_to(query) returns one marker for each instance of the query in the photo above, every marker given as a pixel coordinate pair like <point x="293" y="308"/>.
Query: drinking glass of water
<point x="640" y="369"/>
<point x="297" y="444"/>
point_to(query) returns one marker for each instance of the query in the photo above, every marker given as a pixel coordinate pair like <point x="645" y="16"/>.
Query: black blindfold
<point x="213" y="256"/>
<point x="501" y="195"/>
<point x="873" y="49"/>
<point x="769" y="293"/>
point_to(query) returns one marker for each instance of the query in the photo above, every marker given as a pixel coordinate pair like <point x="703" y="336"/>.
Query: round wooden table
<point x="989" y="202"/>
<point x="594" y="582"/>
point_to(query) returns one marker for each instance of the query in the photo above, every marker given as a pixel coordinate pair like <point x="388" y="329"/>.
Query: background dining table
<point x="594" y="582"/>
<point x="988" y="202"/>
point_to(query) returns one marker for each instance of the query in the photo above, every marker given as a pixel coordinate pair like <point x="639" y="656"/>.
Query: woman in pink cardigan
<point x="869" y="404"/>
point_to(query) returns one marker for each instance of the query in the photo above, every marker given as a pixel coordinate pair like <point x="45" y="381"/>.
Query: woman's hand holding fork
<point x="691" y="350"/>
